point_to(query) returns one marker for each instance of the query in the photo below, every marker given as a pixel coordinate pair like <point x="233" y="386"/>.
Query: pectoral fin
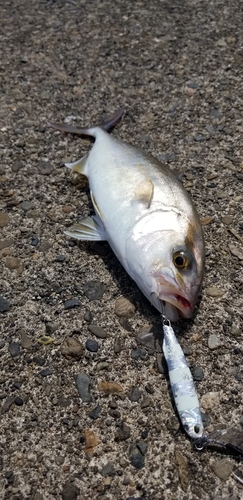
<point x="79" y="166"/>
<point x="144" y="191"/>
<point x="89" y="229"/>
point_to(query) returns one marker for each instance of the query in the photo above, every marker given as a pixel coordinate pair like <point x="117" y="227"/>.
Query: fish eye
<point x="197" y="429"/>
<point x="181" y="259"/>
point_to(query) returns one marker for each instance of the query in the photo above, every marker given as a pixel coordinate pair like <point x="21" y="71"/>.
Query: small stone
<point x="215" y="113"/>
<point x="124" y="307"/>
<point x="146" y="402"/>
<point x="51" y="328"/>
<point x="38" y="360"/>
<point x="136" y="457"/>
<point x="6" y="244"/>
<point x="235" y="331"/>
<point x="137" y="353"/>
<point x="90" y="441"/>
<point x="103" y="365"/>
<point x="70" y="304"/>
<point x="205" y="221"/>
<point x="17" y="165"/>
<point x="34" y="241"/>
<point x="12" y="262"/>
<point x="26" y="342"/>
<point x="108" y="470"/>
<point x="88" y="316"/>
<point x="25" y="206"/>
<point x="210" y="400"/>
<point x="59" y="460"/>
<point x="213" y="342"/>
<point x="198" y="137"/>
<point x="19" y="401"/>
<point x="14" y="349"/>
<point x="45" y="168"/>
<point x="110" y="387"/>
<point x="123" y="432"/>
<point x="67" y="209"/>
<point x="4" y="304"/>
<point x="95" y="413"/>
<point x="222" y="468"/>
<point x="92" y="345"/>
<point x="97" y="331"/>
<point x="237" y="252"/>
<point x="70" y="491"/>
<point x="213" y="291"/>
<point x="72" y="349"/>
<point x="118" y="345"/>
<point x="183" y="469"/>
<point x="61" y="258"/>
<point x="94" y="290"/>
<point x="134" y="394"/>
<point x="7" y="404"/>
<point x="227" y="219"/>
<point x="83" y="384"/>
<point x="4" y="219"/>
<point x="198" y="373"/>
<point x="45" y="340"/>
<point x="46" y="372"/>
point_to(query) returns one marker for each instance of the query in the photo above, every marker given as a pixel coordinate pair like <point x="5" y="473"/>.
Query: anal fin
<point x="88" y="229"/>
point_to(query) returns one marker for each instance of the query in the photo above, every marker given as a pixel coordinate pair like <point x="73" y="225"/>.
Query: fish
<point x="147" y="217"/>
<point x="182" y="386"/>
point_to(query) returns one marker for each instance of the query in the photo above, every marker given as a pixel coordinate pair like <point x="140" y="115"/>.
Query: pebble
<point x="88" y="316"/>
<point x="222" y="468"/>
<point x="150" y="337"/>
<point x="70" y="491"/>
<point x="34" y="241"/>
<point x="213" y="342"/>
<point x="67" y="209"/>
<point x="7" y="404"/>
<point x="118" y="345"/>
<point x="38" y="360"/>
<point x="61" y="258"/>
<point x="26" y="206"/>
<point x="72" y="349"/>
<point x="97" y="331"/>
<point x="90" y="440"/>
<point x="210" y="400"/>
<point x="213" y="291"/>
<point x="45" y="340"/>
<point x="183" y="469"/>
<point x="124" y="307"/>
<point x="4" y="304"/>
<point x="237" y="252"/>
<point x="110" y="387"/>
<point x="227" y="219"/>
<point x="26" y="342"/>
<point x="46" y="372"/>
<point x="198" y="373"/>
<point x="12" y="262"/>
<point x="123" y="432"/>
<point x="215" y="113"/>
<point x="45" y="168"/>
<point x="60" y="460"/>
<point x="134" y="395"/>
<point x="95" y="413"/>
<point x="51" y="328"/>
<point x="4" y="219"/>
<point x="19" y="401"/>
<point x="70" y="304"/>
<point x="17" y="165"/>
<point x="6" y="244"/>
<point x="235" y="331"/>
<point x="146" y="402"/>
<point x="92" y="345"/>
<point x="136" y="457"/>
<point x="14" y="349"/>
<point x="108" y="470"/>
<point x="83" y="383"/>
<point x="103" y="365"/>
<point x="94" y="290"/>
<point x="138" y="353"/>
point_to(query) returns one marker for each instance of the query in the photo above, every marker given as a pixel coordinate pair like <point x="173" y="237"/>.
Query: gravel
<point x="176" y="68"/>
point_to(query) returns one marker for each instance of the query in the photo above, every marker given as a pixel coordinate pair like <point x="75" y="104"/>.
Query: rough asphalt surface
<point x="86" y="411"/>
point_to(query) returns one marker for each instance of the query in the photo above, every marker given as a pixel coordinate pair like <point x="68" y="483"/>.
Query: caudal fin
<point x="105" y="125"/>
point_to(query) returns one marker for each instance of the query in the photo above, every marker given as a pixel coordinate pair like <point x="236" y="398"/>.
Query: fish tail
<point x="106" y="125"/>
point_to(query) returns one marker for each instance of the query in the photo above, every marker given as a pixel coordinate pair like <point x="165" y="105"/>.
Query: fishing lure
<point x="186" y="400"/>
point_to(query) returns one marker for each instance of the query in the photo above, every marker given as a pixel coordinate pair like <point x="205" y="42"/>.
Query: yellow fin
<point x="144" y="191"/>
<point x="96" y="206"/>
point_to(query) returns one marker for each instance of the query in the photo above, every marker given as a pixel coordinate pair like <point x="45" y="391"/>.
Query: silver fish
<point x="182" y="385"/>
<point x="146" y="215"/>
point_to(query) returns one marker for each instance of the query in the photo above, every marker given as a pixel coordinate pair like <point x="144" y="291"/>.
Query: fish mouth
<point x="168" y="291"/>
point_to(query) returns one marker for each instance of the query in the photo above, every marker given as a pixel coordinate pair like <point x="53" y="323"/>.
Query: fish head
<point x="192" y="423"/>
<point x="169" y="261"/>
<point x="178" y="274"/>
